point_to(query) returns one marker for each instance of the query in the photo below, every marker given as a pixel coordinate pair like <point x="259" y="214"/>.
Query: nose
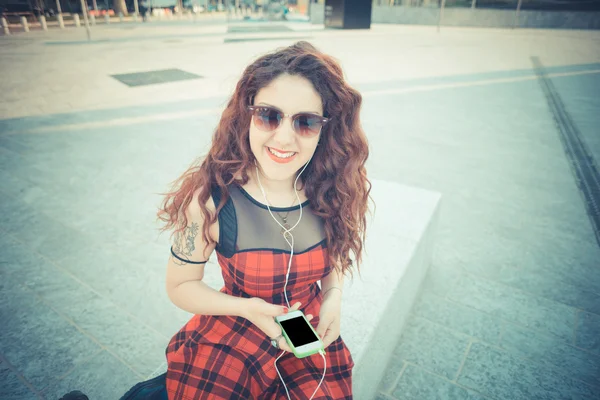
<point x="284" y="134"/>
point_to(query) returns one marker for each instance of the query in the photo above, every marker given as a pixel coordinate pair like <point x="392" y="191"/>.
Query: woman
<point x="282" y="198"/>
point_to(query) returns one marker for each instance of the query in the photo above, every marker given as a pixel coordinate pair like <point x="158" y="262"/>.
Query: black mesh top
<point x="246" y="224"/>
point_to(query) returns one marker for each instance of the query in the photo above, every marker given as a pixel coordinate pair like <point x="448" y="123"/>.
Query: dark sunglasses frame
<point x="282" y="115"/>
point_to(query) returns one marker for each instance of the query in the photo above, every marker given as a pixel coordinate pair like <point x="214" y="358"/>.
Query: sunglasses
<point x="306" y="125"/>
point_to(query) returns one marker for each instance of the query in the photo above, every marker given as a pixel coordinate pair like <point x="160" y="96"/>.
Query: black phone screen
<point x="299" y="331"/>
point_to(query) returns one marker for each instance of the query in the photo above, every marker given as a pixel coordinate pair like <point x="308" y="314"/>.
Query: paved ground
<point x="511" y="307"/>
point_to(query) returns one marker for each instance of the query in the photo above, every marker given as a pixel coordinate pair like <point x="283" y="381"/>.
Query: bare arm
<point x="333" y="280"/>
<point x="185" y="271"/>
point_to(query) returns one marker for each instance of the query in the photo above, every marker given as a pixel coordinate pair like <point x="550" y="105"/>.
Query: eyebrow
<point x="279" y="109"/>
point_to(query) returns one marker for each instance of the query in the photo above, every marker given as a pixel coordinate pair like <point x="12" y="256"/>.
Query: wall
<point x="475" y="17"/>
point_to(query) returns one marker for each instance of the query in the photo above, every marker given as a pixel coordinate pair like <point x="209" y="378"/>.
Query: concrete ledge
<point x="399" y="244"/>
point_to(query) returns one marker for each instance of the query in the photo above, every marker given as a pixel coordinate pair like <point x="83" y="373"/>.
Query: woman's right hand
<point x="262" y="315"/>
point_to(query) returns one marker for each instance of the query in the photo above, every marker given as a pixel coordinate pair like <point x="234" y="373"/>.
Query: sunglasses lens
<point x="307" y="125"/>
<point x="267" y="119"/>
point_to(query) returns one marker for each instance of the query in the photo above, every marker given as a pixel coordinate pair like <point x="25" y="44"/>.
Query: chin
<point x="278" y="173"/>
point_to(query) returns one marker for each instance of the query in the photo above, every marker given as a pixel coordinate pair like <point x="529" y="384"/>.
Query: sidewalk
<point x="511" y="307"/>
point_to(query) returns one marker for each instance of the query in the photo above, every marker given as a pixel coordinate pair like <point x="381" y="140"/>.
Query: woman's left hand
<point x="329" y="317"/>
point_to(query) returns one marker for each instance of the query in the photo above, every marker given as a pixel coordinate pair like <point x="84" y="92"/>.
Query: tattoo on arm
<point x="184" y="243"/>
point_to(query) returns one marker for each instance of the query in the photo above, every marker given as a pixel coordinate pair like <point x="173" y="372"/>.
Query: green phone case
<point x="289" y="342"/>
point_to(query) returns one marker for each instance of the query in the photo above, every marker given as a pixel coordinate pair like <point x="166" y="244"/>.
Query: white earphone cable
<point x="288" y="231"/>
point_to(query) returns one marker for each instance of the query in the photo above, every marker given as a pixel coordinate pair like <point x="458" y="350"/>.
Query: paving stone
<point x="431" y="346"/>
<point x="132" y="340"/>
<point x="568" y="258"/>
<point x="383" y="396"/>
<point x="459" y="318"/>
<point x="516" y="306"/>
<point x="440" y="278"/>
<point x="44" y="235"/>
<point x="101" y="377"/>
<point x="500" y="375"/>
<point x="13" y="186"/>
<point x="36" y="340"/>
<point x="120" y="272"/>
<point x="12" y="387"/>
<point x="587" y="334"/>
<point x="392" y="373"/>
<point x="417" y="384"/>
<point x="553" y="287"/>
<point x="580" y="364"/>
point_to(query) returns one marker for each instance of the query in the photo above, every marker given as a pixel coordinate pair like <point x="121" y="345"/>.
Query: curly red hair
<point x="335" y="181"/>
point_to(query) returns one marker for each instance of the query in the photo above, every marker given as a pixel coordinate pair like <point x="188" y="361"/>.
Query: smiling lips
<point x="281" y="157"/>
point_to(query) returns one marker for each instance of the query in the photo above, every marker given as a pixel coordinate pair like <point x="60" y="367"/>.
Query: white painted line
<point x="125" y="121"/>
<point x="425" y="88"/>
<point x="208" y="111"/>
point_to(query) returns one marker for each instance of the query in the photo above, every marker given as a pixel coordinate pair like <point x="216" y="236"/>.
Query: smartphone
<point x="299" y="334"/>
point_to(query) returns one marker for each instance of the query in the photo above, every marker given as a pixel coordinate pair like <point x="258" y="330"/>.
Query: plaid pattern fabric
<point x="227" y="357"/>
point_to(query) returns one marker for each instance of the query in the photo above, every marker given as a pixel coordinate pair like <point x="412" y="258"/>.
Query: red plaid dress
<point x="227" y="357"/>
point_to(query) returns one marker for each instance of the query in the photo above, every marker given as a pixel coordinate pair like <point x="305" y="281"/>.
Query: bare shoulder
<point x="195" y="214"/>
<point x="190" y="250"/>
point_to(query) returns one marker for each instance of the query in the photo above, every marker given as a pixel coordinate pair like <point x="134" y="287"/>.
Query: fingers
<point x="330" y="337"/>
<point x="276" y="311"/>
<point x="281" y="310"/>
<point x="284" y="346"/>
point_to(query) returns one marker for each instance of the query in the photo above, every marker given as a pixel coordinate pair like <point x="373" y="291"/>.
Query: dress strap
<point x="227" y="223"/>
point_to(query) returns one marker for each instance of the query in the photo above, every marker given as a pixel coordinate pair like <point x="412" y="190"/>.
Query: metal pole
<point x="517" y="14"/>
<point x="95" y="5"/>
<point x="85" y="19"/>
<point x="473" y="3"/>
<point x="137" y="7"/>
<point x="441" y="15"/>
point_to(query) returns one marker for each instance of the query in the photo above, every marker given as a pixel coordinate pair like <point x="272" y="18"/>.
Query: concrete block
<point x="399" y="246"/>
<point x="5" y="26"/>
<point x="24" y="24"/>
<point x="43" y="22"/>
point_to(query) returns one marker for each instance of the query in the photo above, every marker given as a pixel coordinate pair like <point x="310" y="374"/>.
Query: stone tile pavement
<point x="511" y="306"/>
